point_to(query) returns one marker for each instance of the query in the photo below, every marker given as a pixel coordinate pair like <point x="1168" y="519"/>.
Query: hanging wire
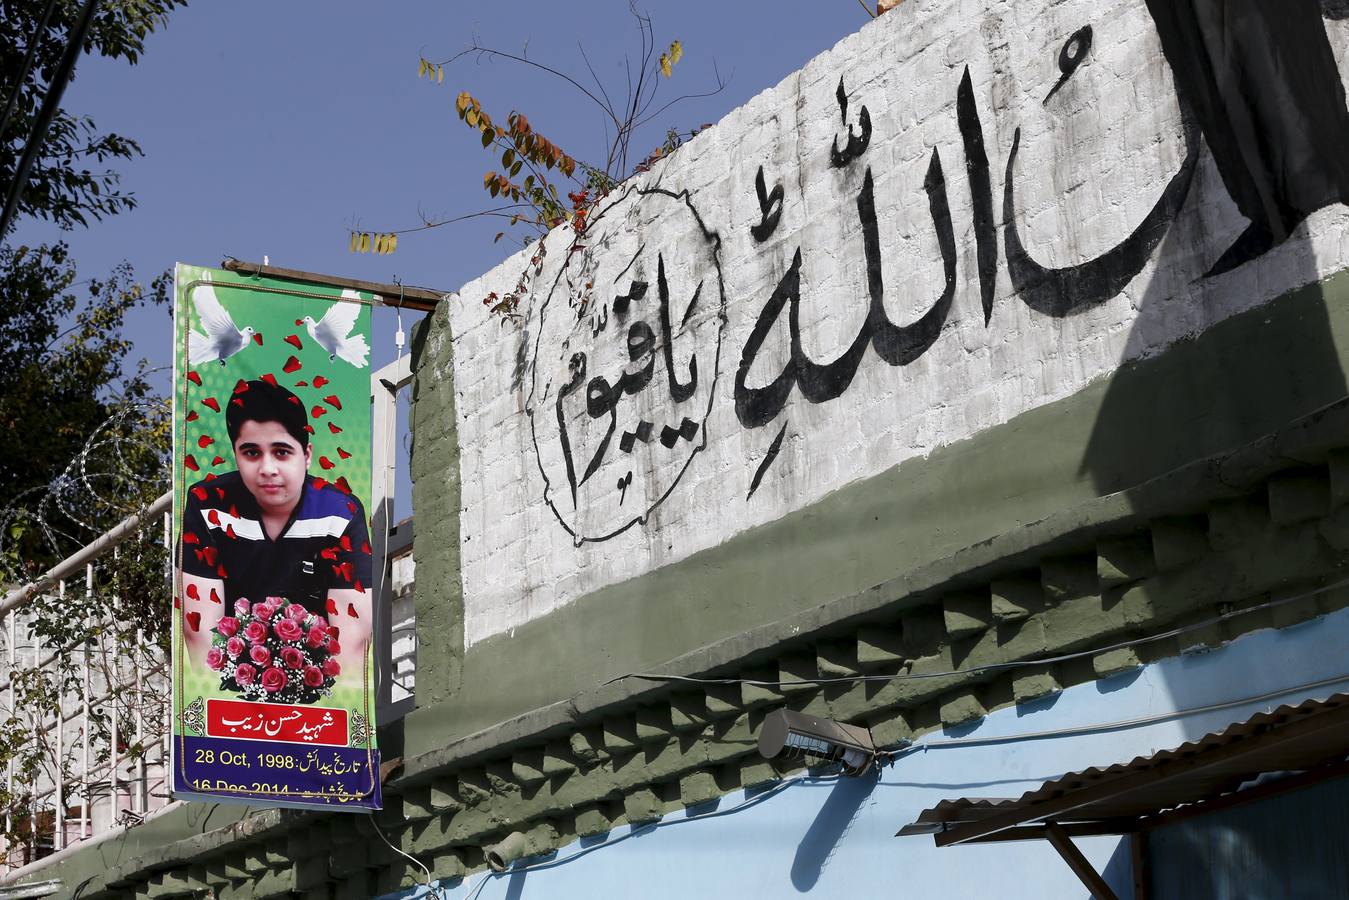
<point x="993" y="667"/>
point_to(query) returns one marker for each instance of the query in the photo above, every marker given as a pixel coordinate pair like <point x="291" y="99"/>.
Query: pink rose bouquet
<point x="274" y="651"/>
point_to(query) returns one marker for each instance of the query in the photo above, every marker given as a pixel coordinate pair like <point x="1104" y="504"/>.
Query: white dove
<point x="333" y="332"/>
<point x="223" y="338"/>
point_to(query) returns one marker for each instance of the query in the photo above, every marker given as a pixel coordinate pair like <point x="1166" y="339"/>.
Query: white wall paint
<point x="1092" y="162"/>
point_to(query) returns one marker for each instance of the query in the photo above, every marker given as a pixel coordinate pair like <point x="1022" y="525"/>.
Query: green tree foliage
<point x="71" y="180"/>
<point x="63" y="345"/>
<point x="64" y="373"/>
<point x="83" y="438"/>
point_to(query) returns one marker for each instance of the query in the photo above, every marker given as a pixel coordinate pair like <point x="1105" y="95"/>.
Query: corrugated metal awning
<point x="1269" y="753"/>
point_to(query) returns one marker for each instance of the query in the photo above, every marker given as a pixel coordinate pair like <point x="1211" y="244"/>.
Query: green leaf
<point x="515" y="169"/>
<point x="486" y="139"/>
<point x="507" y="158"/>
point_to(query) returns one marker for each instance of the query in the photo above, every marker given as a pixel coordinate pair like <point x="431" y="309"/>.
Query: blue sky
<point x="271" y="128"/>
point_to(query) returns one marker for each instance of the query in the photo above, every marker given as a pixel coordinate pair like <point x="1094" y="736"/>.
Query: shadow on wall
<point x="1264" y="86"/>
<point x="1262" y="83"/>
<point x="831" y="824"/>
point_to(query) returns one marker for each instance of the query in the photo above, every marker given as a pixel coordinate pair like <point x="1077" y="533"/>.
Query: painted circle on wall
<point x="626" y="351"/>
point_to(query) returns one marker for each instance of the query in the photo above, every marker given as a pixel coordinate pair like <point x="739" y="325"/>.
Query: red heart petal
<point x="217" y="461"/>
<point x="332" y="426"/>
<point x="213" y="516"/>
<point x="192" y="415"/>
<point x="193" y="620"/>
<point x="332" y="401"/>
<point x="342" y="454"/>
<point x="190" y="462"/>
<point x="194" y="378"/>
<point x="212" y="404"/>
<point x="192" y="592"/>
<point x="270" y="379"/>
<point x="342" y="485"/>
<point x="215" y="598"/>
<point x="292" y="365"/>
<point x="309" y="428"/>
<point x="318" y="411"/>
<point x="190" y="538"/>
<point x="199" y="493"/>
<point x="240" y="386"/>
<point x="345" y="543"/>
<point x="205" y="441"/>
<point x="326" y="463"/>
<point x="351" y="610"/>
<point x="229" y="531"/>
<point x="332" y="607"/>
<point x="294" y="342"/>
<point x="302" y="383"/>
<point x="319" y="381"/>
<point x="320" y="483"/>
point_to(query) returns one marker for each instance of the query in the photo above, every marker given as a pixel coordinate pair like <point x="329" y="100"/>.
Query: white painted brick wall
<point x="1092" y="162"/>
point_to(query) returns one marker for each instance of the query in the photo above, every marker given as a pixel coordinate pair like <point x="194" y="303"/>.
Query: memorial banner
<point x="273" y="582"/>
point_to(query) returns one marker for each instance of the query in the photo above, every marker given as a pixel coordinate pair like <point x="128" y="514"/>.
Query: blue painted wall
<point x="835" y="837"/>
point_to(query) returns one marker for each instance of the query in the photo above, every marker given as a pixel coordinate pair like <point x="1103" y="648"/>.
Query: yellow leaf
<point x="421" y="67"/>
<point x="353" y="242"/>
<point x="440" y="74"/>
<point x="666" y="68"/>
<point x="462" y="101"/>
<point x="393" y="242"/>
<point x="489" y="178"/>
<point x="676" y="52"/>
<point x="471" y="117"/>
<point x="365" y="242"/>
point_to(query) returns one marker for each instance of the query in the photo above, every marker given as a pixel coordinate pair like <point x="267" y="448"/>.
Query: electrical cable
<point x="993" y="667"/>
<point x="648" y="827"/>
<point x="892" y="756"/>
<point x="438" y="891"/>
<point x="1119" y="724"/>
<point x="50" y="104"/>
<point x="33" y="43"/>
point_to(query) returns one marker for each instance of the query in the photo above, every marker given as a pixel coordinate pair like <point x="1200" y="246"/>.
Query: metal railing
<point x="86" y="724"/>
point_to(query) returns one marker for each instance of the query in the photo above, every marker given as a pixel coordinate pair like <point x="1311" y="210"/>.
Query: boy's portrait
<point x="271" y="529"/>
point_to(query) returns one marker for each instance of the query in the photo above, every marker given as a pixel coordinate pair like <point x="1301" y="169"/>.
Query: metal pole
<point x="13" y="709"/>
<point x="59" y="820"/>
<point x="114" y="680"/>
<point x="50" y="104"/>
<point x="86" y="812"/>
<point x="86" y="554"/>
<point x="164" y="757"/>
<point x="32" y="805"/>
